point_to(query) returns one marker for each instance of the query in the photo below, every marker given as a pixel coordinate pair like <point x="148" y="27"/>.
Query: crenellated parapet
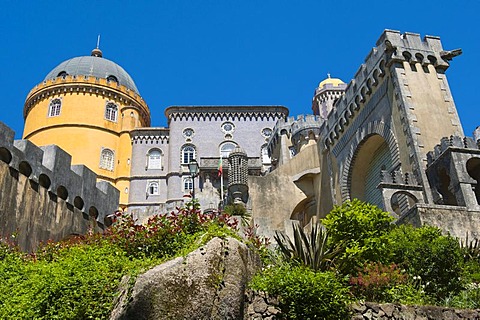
<point x="304" y="129"/>
<point x="282" y="127"/>
<point x="150" y="135"/>
<point x="392" y="47"/>
<point x="453" y="170"/>
<point x="450" y="142"/>
<point x="397" y="177"/>
<point x="223" y="113"/>
<point x="50" y="167"/>
<point x="86" y="85"/>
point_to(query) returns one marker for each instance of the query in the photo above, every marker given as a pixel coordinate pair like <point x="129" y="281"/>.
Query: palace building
<point x="391" y="136"/>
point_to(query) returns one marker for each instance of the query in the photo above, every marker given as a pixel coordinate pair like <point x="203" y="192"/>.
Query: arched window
<point x="187" y="184"/>
<point x="55" y="107"/>
<point x="62" y="74"/>
<point x="111" y="111"/>
<point x="112" y="78"/>
<point x="226" y="148"/>
<point x="188" y="154"/>
<point x="152" y="188"/>
<point x="106" y="159"/>
<point x="154" y="159"/>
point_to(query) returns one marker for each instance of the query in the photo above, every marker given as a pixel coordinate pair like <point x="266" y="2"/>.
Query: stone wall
<point x="43" y="197"/>
<point x="259" y="305"/>
<point x="399" y="312"/>
<point x="457" y="221"/>
<point x="275" y="196"/>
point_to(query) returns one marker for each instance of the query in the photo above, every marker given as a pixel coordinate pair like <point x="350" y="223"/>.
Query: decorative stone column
<point x="238" y="176"/>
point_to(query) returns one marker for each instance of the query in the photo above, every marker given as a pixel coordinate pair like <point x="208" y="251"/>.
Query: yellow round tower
<point x="88" y="106"/>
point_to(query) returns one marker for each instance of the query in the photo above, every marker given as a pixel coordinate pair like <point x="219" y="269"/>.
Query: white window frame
<point x="55" y="107"/>
<point x="191" y="155"/>
<point x="187" y="184"/>
<point x="153" y="188"/>
<point x="154" y="162"/>
<point x="107" y="159"/>
<point x="111" y="112"/>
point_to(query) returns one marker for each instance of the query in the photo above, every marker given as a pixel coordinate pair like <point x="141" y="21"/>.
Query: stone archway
<point x="376" y="128"/>
<point x="372" y="156"/>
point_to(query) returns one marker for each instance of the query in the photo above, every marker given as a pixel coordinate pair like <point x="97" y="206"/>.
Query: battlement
<point x="85" y="84"/>
<point x="50" y="167"/>
<point x="397" y="177"/>
<point x="144" y="135"/>
<point x="304" y="124"/>
<point x="223" y="113"/>
<point x="412" y="48"/>
<point x="450" y="142"/>
<point x="330" y="87"/>
<point x="392" y="47"/>
<point x="292" y="126"/>
<point x="87" y="80"/>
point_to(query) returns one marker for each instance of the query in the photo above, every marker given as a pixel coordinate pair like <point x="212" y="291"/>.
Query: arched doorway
<point x="372" y="156"/>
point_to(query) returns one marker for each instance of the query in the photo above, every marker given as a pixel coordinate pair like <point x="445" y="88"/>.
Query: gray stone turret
<point x="238" y="176"/>
<point x="305" y="130"/>
<point x="326" y="95"/>
<point x="453" y="171"/>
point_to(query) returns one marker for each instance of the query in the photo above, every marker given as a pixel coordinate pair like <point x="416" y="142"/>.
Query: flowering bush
<point x="162" y="236"/>
<point x="386" y="283"/>
<point x="427" y="253"/>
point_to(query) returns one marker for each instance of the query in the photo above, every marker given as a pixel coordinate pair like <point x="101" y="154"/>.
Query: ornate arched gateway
<point x="373" y="149"/>
<point x="372" y="156"/>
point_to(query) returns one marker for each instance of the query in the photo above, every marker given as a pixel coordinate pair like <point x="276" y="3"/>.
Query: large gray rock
<point x="209" y="283"/>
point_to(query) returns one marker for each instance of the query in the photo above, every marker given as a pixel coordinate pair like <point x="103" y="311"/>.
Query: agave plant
<point x="310" y="249"/>
<point x="471" y="249"/>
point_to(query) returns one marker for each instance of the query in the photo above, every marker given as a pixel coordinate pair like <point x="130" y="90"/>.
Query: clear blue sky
<point x="227" y="52"/>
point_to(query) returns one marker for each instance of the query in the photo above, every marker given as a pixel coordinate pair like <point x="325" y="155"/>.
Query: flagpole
<point x="221" y="181"/>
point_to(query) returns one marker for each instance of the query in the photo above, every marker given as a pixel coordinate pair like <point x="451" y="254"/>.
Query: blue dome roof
<point x="93" y="66"/>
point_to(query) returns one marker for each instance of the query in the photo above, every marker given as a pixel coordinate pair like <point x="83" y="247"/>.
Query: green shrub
<point x="80" y="283"/>
<point x="426" y="253"/>
<point x="304" y="293"/>
<point x="356" y="221"/>
<point x="469" y="298"/>
<point x="78" y="278"/>
<point x="361" y="229"/>
<point x="238" y="210"/>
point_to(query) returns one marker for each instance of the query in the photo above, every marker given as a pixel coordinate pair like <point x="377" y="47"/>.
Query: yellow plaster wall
<point x="82" y="130"/>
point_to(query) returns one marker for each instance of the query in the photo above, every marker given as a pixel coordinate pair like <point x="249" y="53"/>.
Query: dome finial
<point x="97" y="52"/>
<point x="328" y="73"/>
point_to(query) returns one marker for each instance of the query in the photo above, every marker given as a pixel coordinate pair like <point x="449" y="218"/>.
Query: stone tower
<point x="326" y="94"/>
<point x="88" y="106"/>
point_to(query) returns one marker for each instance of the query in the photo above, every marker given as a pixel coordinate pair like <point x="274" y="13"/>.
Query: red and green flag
<point x="220" y="166"/>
